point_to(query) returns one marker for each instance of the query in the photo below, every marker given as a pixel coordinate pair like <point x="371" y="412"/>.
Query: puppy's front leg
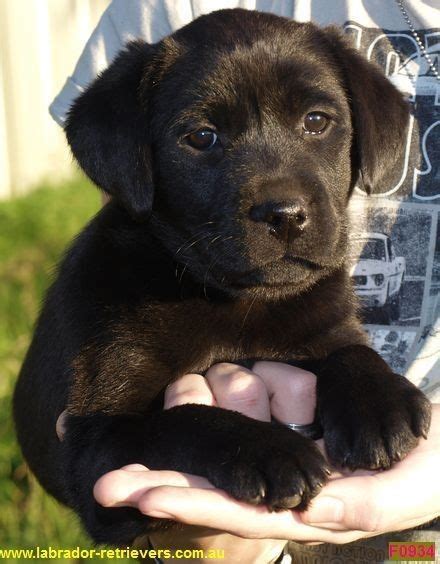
<point x="254" y="461"/>
<point x="371" y="417"/>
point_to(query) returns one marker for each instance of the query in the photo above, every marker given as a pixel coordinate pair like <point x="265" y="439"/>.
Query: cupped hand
<point x="230" y="387"/>
<point x="351" y="506"/>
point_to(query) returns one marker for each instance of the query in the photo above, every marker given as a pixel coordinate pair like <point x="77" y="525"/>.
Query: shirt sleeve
<point x="123" y="21"/>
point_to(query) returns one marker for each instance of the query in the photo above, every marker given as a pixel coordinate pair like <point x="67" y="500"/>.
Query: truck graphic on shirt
<point x="377" y="273"/>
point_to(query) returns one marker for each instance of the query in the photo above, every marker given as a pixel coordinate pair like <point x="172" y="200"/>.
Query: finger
<point x="214" y="509"/>
<point x="191" y="388"/>
<point x="239" y="389"/>
<point x="125" y="486"/>
<point x="193" y="506"/>
<point x="292" y="391"/>
<point x="60" y="427"/>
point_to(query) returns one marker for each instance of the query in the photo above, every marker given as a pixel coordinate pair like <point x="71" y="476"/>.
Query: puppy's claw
<point x="287" y="503"/>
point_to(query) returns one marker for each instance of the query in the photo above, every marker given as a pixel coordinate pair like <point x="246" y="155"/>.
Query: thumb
<point x="405" y="496"/>
<point x="353" y="503"/>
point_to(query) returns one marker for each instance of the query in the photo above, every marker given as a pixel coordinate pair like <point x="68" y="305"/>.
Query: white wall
<point x="40" y="41"/>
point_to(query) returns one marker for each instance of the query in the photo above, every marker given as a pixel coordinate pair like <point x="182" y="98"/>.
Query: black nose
<point x="285" y="220"/>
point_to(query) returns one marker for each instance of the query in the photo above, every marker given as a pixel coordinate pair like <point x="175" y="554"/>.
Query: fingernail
<point x="324" y="509"/>
<point x="135" y="468"/>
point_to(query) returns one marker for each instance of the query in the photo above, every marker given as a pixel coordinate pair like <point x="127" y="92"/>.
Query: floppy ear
<point x="379" y="112"/>
<point x="107" y="130"/>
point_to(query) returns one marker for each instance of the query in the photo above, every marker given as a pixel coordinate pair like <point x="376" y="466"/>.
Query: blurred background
<point x="44" y="202"/>
<point x="40" y="42"/>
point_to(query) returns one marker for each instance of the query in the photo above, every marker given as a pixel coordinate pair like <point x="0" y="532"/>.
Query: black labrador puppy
<point x="230" y="150"/>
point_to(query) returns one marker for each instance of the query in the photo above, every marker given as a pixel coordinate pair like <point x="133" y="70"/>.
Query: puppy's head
<point x="240" y="139"/>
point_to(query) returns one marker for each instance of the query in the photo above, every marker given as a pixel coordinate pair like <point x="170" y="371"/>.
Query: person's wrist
<point x="235" y="549"/>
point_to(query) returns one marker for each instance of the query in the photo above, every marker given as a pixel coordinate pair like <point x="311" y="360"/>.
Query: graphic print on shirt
<point x="394" y="264"/>
<point x="402" y="61"/>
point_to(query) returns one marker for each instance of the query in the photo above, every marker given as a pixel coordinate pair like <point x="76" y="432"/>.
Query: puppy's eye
<point x="202" y="140"/>
<point x="315" y="123"/>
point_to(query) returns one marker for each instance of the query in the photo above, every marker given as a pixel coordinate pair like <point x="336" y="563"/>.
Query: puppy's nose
<point x="285" y="220"/>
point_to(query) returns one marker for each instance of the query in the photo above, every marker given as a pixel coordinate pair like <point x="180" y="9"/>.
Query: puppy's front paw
<point x="374" y="424"/>
<point x="270" y="465"/>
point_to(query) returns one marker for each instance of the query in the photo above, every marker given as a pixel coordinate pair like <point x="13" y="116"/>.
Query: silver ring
<point x="310" y="430"/>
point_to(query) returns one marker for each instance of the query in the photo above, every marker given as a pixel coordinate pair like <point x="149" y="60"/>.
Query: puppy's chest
<point x="197" y="335"/>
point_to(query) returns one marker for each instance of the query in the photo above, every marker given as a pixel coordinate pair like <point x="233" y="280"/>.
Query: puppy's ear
<point x="379" y="112"/>
<point x="108" y="131"/>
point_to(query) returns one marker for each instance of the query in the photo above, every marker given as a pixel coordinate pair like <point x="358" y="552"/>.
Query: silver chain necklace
<point x="417" y="38"/>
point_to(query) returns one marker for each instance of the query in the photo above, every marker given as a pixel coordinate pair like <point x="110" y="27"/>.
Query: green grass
<point x="34" y="231"/>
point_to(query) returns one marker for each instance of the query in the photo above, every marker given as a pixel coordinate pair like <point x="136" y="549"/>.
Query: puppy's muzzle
<point x="285" y="220"/>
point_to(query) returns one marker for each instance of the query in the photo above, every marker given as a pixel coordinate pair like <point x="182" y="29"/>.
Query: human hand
<point x="372" y="502"/>
<point x="233" y="388"/>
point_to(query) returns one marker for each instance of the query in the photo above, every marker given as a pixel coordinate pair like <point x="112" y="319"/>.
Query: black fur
<point x="192" y="264"/>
